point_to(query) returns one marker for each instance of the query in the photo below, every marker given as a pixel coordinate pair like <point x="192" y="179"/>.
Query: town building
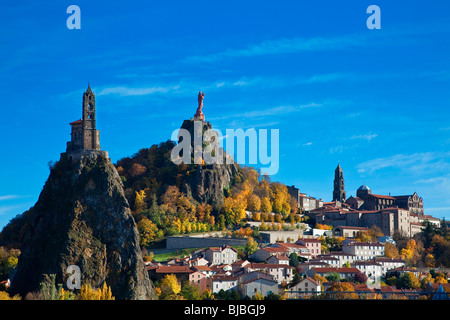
<point x="313" y="245"/>
<point x="370" y="268"/>
<point x="344" y="273"/>
<point x="306" y="287"/>
<point x="223" y="282"/>
<point x="347" y="232"/>
<point x="157" y="273"/>
<point x="221" y="255"/>
<point x="364" y="250"/>
<point x="279" y="272"/>
<point x="305" y="203"/>
<point x="257" y="282"/>
<point x="199" y="280"/>
<point x="389" y="263"/>
<point x="278" y="259"/>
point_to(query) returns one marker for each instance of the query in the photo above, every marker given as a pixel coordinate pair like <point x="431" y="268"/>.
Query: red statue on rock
<point x="199" y="114"/>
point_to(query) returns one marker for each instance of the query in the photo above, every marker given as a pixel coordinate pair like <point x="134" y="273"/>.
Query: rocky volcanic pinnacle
<point x="207" y="183"/>
<point x="82" y="218"/>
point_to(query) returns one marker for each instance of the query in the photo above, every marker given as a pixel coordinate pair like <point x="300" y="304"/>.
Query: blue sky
<point x="377" y="101"/>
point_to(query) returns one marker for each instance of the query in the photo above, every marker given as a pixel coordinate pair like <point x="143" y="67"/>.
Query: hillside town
<point x="275" y="270"/>
<point x="298" y="264"/>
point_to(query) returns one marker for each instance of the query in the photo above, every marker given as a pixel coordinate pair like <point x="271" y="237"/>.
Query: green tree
<point x="190" y="292"/>
<point x="408" y="281"/>
<point x="293" y="260"/>
<point x="333" y="276"/>
<point x="251" y="246"/>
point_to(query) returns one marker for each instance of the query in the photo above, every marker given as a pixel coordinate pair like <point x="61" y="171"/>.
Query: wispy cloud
<point x="395" y="36"/>
<point x="136" y="91"/>
<point x="9" y="197"/>
<point x="276" y="81"/>
<point x="286" y="45"/>
<point x="368" y="136"/>
<point x="416" y="162"/>
<point x="431" y="180"/>
<point x="278" y="110"/>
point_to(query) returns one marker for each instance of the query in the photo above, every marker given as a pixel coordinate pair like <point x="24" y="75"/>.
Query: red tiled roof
<point x="311" y="279"/>
<point x="76" y="122"/>
<point x="256" y="265"/>
<point x="308" y="240"/>
<point x="279" y="257"/>
<point x="173" y="269"/>
<point x="355" y="228"/>
<point x="382" y="196"/>
<point x="385" y="259"/>
<point x="220" y="248"/>
<point x="223" y="277"/>
<point x="202" y="268"/>
<point x="335" y="269"/>
<point x="275" y="249"/>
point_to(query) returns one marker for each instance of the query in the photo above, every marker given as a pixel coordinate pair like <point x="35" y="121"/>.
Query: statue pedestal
<point x="199" y="117"/>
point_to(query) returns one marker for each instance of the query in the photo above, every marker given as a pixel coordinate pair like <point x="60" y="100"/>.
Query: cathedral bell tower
<point x="339" y="189"/>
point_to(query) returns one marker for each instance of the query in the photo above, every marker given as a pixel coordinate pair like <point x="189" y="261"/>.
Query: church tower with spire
<point x="339" y="189"/>
<point x="85" y="138"/>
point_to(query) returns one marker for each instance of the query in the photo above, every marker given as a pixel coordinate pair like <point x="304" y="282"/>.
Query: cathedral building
<point x="403" y="214"/>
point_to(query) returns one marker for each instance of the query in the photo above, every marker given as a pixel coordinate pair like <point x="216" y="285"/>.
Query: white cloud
<point x="367" y="137"/>
<point x="129" y="91"/>
<point x="9" y="197"/>
<point x="286" y="45"/>
<point x="278" y="110"/>
<point x="425" y="162"/>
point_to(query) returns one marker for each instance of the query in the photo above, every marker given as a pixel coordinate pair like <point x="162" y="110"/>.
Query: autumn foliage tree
<point x="342" y="291"/>
<point x="147" y="231"/>
<point x="87" y="292"/>
<point x="169" y="287"/>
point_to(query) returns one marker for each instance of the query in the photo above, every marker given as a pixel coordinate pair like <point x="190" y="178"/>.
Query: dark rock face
<point x="207" y="183"/>
<point x="83" y="218"/>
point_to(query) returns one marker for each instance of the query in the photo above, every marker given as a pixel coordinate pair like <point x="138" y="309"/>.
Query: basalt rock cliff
<point x="207" y="182"/>
<point x="82" y="218"/>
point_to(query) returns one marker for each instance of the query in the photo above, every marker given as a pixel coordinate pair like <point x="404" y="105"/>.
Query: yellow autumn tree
<point x="169" y="287"/>
<point x="410" y="251"/>
<point x="87" y="292"/>
<point x="391" y="250"/>
<point x="234" y="209"/>
<point x="266" y="205"/>
<point x="253" y="203"/>
<point x="139" y="200"/>
<point x="147" y="231"/>
<point x="5" y="296"/>
<point x="342" y="290"/>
